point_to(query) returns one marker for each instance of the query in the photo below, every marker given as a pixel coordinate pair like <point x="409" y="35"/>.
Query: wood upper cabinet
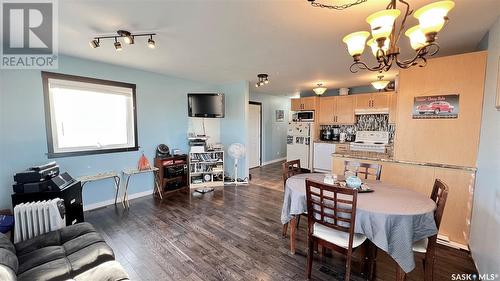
<point x="373" y="101"/>
<point x="326" y="110"/>
<point x="296" y="104"/>
<point x="308" y="103"/>
<point x="336" y="110"/>
<point x="344" y="110"/>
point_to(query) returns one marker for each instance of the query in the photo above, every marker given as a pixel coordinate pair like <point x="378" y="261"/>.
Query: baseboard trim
<point x="88" y="207"/>
<point x="273" y="161"/>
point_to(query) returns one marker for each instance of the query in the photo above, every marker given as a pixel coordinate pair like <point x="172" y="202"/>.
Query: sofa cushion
<point x="62" y="254"/>
<point x="108" y="271"/>
<point x="8" y="256"/>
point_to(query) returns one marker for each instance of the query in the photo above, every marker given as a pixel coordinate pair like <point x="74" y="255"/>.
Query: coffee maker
<point x="325" y="134"/>
<point x="335" y="133"/>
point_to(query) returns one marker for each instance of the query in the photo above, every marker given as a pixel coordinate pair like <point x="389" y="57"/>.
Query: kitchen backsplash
<point x="368" y="122"/>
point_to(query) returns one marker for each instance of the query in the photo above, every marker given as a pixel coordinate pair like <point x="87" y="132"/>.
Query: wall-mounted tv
<point x="206" y="105"/>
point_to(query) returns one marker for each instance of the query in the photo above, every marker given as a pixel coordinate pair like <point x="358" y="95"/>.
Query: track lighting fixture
<point x="263" y="79"/>
<point x="128" y="38"/>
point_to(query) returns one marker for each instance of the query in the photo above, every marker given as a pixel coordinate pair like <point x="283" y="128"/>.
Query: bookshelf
<point x="206" y="169"/>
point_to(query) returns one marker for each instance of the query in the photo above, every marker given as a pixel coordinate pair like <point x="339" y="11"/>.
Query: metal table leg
<point x="125" y="195"/>
<point x="117" y="188"/>
<point x="157" y="183"/>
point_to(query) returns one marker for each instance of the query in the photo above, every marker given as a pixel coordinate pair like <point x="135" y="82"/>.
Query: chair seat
<point x="420" y="246"/>
<point x="337" y="237"/>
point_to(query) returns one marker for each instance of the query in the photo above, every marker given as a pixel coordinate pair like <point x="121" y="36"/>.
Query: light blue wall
<point x="273" y="133"/>
<point x="485" y="225"/>
<point x="162" y="118"/>
<point x="234" y="127"/>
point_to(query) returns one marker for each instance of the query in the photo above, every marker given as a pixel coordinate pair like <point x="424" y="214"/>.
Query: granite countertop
<point x="372" y="156"/>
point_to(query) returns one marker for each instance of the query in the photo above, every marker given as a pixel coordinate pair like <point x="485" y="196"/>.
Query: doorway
<point x="255" y="134"/>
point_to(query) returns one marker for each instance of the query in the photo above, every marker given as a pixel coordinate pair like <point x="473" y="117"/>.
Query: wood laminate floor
<point x="269" y="176"/>
<point x="233" y="233"/>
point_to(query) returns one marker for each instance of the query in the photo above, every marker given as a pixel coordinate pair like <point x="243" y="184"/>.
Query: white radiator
<point x="35" y="218"/>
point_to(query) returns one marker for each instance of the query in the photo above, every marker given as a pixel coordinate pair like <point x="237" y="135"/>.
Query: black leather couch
<point x="75" y="252"/>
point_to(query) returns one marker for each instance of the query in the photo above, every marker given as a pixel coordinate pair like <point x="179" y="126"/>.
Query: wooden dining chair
<point x="427" y="246"/>
<point x="291" y="168"/>
<point x="331" y="215"/>
<point x="366" y="169"/>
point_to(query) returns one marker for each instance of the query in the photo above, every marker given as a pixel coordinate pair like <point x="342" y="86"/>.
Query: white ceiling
<point x="221" y="41"/>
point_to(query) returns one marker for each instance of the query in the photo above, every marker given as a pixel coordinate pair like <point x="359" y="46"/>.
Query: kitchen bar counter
<point x="372" y="156"/>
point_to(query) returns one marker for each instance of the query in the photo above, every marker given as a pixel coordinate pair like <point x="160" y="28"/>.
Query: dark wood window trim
<point x="48" y="125"/>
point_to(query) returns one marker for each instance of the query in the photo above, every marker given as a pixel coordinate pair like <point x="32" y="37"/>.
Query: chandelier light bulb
<point x="381" y="23"/>
<point x="432" y="17"/>
<point x="356" y="43"/>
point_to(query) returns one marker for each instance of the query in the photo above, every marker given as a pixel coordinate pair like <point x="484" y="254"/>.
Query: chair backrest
<point x="331" y="206"/>
<point x="366" y="169"/>
<point x="291" y="168"/>
<point x="439" y="195"/>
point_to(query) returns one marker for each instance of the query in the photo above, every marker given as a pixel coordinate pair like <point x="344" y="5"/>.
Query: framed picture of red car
<point x="436" y="107"/>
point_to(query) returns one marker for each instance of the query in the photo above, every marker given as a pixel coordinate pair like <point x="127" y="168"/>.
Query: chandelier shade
<point x="432" y="17"/>
<point x="320" y="89"/>
<point x="380" y="84"/>
<point x="374" y="46"/>
<point x="381" y="23"/>
<point x="417" y="37"/>
<point x="356" y="42"/>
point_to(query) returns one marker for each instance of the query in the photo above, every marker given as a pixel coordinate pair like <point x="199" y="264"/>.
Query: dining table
<point x="392" y="217"/>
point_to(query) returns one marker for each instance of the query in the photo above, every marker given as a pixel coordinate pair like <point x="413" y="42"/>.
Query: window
<point x="88" y="116"/>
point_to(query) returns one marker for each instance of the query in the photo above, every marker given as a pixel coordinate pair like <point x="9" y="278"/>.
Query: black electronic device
<point x="206" y="105"/>
<point x="37" y="173"/>
<point x="56" y="183"/>
<point x="162" y="151"/>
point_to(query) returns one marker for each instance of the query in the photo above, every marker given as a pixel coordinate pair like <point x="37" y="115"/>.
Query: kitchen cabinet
<point x="373" y="101"/>
<point x="336" y="110"/>
<point x="455" y="224"/>
<point x="307" y="103"/>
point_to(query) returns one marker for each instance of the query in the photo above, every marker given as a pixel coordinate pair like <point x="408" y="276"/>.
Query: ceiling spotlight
<point x="263" y="79"/>
<point x="127" y="36"/>
<point x="151" y="42"/>
<point x="320" y="89"/>
<point x="380" y="84"/>
<point x="118" y="45"/>
<point x="94" y="43"/>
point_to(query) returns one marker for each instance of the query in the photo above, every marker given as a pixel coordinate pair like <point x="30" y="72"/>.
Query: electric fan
<point x="236" y="151"/>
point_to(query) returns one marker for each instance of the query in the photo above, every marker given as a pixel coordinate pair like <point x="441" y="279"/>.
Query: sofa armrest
<point x="7" y="274"/>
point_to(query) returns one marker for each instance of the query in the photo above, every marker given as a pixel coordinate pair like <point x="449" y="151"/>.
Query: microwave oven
<point x="303" y="116"/>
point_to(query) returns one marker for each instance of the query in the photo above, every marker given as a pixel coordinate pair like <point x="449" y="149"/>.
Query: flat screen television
<point x="206" y="105"/>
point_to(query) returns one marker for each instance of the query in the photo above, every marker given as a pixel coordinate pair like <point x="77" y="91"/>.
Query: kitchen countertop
<point x="372" y="156"/>
<point x="332" y="142"/>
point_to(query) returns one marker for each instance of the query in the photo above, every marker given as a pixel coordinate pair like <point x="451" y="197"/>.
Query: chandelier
<point x="385" y="37"/>
<point x="320" y="89"/>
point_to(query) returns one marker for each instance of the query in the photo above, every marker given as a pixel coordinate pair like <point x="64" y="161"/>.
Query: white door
<point x="254" y="134"/>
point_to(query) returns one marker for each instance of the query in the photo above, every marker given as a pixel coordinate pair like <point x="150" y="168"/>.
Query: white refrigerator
<point x="299" y="143"/>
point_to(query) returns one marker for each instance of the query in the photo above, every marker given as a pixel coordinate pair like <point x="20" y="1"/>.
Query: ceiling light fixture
<point x="380" y="84"/>
<point x="128" y="38"/>
<point x="385" y="37"/>
<point x="320" y="89"/>
<point x="263" y="79"/>
<point x="316" y="3"/>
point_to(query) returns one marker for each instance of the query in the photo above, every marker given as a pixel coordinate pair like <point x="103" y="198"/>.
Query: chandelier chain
<point x="337" y="7"/>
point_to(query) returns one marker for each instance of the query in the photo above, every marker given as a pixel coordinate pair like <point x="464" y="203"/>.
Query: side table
<point x="128" y="173"/>
<point x="102" y="176"/>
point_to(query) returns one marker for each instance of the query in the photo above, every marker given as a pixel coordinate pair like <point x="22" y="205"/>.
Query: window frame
<point x="48" y="117"/>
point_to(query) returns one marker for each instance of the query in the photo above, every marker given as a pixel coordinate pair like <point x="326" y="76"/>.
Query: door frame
<point x="260" y="131"/>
